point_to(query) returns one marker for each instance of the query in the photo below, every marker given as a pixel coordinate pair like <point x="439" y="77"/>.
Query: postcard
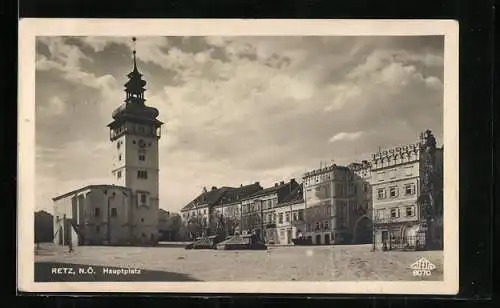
<point x="238" y="156"/>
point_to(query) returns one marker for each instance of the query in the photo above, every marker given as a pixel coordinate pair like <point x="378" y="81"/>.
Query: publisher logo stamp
<point x="422" y="267"/>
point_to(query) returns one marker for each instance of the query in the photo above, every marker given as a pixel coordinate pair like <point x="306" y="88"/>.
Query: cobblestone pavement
<point x="301" y="263"/>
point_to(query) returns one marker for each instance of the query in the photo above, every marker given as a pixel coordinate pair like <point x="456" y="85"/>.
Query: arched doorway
<point x="363" y="231"/>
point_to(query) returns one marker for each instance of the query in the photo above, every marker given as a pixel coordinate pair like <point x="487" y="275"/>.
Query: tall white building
<point x="135" y="132"/>
<point x="125" y="212"/>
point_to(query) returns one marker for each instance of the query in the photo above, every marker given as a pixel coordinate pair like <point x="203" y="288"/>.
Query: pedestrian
<point x="70" y="245"/>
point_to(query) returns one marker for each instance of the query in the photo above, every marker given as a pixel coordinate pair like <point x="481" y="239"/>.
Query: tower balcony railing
<point x="116" y="133"/>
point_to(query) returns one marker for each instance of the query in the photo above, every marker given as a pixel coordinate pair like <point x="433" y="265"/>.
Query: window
<point x="326" y="225"/>
<point x="395" y="212"/>
<point x="142" y="157"/>
<point x="142" y="219"/>
<point x="380" y="214"/>
<point x="119" y="157"/>
<point x="119" y="174"/>
<point x="301" y="214"/>
<point x="308" y="228"/>
<point x="410" y="211"/>
<point x="409" y="189"/>
<point x="114" y="213"/>
<point x="270" y="218"/>
<point x="295" y="216"/>
<point x="365" y="187"/>
<point x="97" y="229"/>
<point x="393" y="191"/>
<point x="287" y="217"/>
<point x="318" y="226"/>
<point x="97" y="211"/>
<point x="274" y="217"/>
<point x="118" y="145"/>
<point x="142" y="174"/>
<point x="381" y="193"/>
<point x="280" y="218"/>
<point x="204" y="211"/>
<point x="57" y="218"/>
<point x="142" y="198"/>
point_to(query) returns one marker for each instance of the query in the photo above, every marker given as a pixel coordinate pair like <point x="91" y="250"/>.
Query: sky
<point x="237" y="110"/>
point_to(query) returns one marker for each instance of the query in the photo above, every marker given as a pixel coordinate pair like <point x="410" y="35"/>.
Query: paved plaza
<point x="288" y="263"/>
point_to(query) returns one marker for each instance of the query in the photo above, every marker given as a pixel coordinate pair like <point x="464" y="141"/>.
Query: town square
<point x="285" y="263"/>
<point x="173" y="171"/>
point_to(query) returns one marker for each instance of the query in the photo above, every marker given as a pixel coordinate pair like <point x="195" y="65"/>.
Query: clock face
<point x="142" y="143"/>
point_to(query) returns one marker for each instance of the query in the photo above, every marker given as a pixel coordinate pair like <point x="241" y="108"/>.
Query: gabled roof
<point x="222" y="195"/>
<point x="277" y="188"/>
<point x="207" y="198"/>
<point x="242" y="192"/>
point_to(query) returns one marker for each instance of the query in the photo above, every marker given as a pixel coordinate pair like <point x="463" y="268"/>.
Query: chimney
<point x="214" y="187"/>
<point x="292" y="180"/>
<point x="275" y="184"/>
<point x="241" y="185"/>
<point x="282" y="182"/>
<point x="257" y="183"/>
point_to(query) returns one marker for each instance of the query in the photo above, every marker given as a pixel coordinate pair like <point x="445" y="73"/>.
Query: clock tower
<point x="135" y="132"/>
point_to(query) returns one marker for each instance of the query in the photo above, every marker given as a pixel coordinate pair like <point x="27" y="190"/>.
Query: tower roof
<point x="134" y="107"/>
<point x="135" y="85"/>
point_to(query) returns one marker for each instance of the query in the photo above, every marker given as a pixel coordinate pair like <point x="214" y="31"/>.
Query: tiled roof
<point x="281" y="189"/>
<point x="224" y="194"/>
<point x="242" y="192"/>
<point x="295" y="196"/>
<point x="209" y="198"/>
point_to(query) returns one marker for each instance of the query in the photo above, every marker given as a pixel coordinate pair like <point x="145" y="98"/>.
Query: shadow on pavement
<point x="66" y="272"/>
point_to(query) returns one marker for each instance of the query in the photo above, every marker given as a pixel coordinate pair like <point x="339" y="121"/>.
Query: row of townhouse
<point x="387" y="201"/>
<point x="249" y="208"/>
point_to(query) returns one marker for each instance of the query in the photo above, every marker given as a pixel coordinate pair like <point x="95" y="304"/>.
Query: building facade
<point x="406" y="189"/>
<point x="94" y="215"/>
<point x="126" y="212"/>
<point x="337" y="204"/>
<point x="361" y="203"/>
<point x="262" y="212"/>
<point x="290" y="222"/>
<point x="216" y="210"/>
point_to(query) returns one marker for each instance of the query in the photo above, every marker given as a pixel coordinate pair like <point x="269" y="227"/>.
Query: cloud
<point x="236" y="109"/>
<point x="343" y="136"/>
<point x="54" y="107"/>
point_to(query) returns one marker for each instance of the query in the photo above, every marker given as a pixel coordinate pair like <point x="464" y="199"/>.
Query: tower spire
<point x="134" y="88"/>
<point x="134" y="39"/>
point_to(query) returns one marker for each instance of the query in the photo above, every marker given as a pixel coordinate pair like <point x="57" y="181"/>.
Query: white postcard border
<point x="30" y="28"/>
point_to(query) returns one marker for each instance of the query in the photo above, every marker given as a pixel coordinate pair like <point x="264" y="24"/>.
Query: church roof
<point x="90" y="187"/>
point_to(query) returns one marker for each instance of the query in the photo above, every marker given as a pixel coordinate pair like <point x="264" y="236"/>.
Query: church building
<point x="124" y="212"/>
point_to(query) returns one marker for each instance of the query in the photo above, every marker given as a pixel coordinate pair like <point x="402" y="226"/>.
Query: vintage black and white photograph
<point x="220" y="158"/>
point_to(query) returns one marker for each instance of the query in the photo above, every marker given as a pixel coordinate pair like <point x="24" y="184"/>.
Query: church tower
<point x="135" y="132"/>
